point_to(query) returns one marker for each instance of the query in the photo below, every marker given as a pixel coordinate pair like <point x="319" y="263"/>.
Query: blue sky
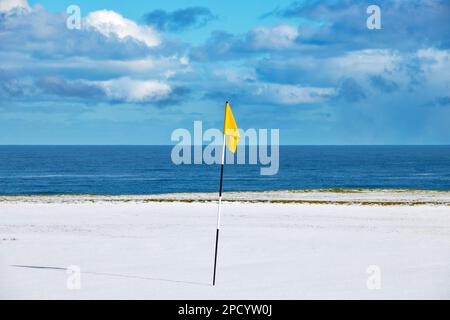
<point x="137" y="70"/>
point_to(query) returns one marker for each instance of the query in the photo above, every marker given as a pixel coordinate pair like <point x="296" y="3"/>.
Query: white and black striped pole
<point x="220" y="202"/>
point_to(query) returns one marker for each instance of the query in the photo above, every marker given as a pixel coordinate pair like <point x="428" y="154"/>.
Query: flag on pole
<point x="230" y="129"/>
<point x="230" y="139"/>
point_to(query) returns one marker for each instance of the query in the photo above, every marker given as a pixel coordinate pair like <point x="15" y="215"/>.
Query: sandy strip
<point x="324" y="196"/>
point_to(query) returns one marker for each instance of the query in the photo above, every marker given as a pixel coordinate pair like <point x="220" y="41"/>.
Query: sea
<point x="46" y="170"/>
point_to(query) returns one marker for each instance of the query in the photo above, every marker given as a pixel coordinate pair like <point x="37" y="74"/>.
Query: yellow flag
<point x="230" y="129"/>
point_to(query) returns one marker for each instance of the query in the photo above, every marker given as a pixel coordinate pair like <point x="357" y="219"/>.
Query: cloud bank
<point x="308" y="61"/>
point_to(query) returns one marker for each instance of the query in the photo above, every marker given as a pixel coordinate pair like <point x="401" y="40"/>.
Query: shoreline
<point x="351" y="196"/>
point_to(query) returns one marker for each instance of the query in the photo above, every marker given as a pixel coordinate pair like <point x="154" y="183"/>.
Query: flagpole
<point x="220" y="201"/>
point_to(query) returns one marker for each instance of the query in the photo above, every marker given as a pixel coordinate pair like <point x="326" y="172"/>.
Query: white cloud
<point x="8" y="5"/>
<point x="184" y="60"/>
<point x="278" y="37"/>
<point x="290" y="94"/>
<point x="156" y="66"/>
<point x="435" y="65"/>
<point x="110" y="23"/>
<point x="438" y="59"/>
<point x="137" y="91"/>
<point x="368" y="61"/>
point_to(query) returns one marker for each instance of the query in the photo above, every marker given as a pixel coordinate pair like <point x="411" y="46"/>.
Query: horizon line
<point x="203" y="145"/>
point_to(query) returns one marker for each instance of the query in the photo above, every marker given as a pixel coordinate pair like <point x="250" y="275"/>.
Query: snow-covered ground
<point x="130" y="248"/>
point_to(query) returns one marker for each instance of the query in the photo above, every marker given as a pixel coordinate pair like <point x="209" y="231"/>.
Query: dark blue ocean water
<point x="148" y="169"/>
